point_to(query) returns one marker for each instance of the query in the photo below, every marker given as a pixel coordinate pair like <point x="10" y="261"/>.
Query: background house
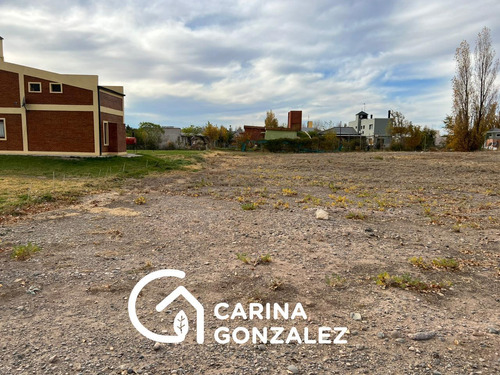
<point x="492" y="140"/>
<point x="46" y="113"/>
<point x="171" y="138"/>
<point x="345" y="133"/>
<point x="375" y="130"/>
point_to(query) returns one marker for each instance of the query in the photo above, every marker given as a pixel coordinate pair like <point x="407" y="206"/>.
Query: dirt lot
<point x="244" y="230"/>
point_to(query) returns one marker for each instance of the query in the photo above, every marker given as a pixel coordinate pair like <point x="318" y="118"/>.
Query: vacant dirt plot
<point x="408" y="261"/>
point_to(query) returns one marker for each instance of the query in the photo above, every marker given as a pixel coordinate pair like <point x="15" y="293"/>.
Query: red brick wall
<point x="255" y="133"/>
<point x="117" y="142"/>
<point x="70" y="95"/>
<point x="60" y="131"/>
<point x="9" y="89"/>
<point x="14" y="132"/>
<point x="111" y="101"/>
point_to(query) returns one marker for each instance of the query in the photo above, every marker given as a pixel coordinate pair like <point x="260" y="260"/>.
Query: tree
<point x="428" y="138"/>
<point x="474" y="94"/>
<point x="212" y="133"/>
<point x="192" y="130"/>
<point x="271" y="121"/>
<point x="407" y="136"/>
<point x="485" y="97"/>
<point x="224" y="136"/>
<point x="149" y="135"/>
<point x="398" y="128"/>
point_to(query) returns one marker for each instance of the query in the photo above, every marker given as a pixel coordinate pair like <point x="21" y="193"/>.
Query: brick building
<point x="45" y="113"/>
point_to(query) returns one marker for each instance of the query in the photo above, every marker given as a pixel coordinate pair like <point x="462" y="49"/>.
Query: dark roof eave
<point x="111" y="91"/>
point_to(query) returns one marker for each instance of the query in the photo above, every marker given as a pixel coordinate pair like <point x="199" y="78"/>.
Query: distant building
<point x="45" y="113"/>
<point x="257" y="133"/>
<point x="171" y="137"/>
<point x="492" y="141"/>
<point x="254" y="133"/>
<point x="345" y="133"/>
<point x="375" y="130"/>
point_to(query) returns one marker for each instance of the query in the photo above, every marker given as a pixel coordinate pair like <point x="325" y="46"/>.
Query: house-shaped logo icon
<point x="181" y="326"/>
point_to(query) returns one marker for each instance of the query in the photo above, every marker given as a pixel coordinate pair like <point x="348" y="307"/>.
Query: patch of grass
<point x="419" y="262"/>
<point x="335" y="280"/>
<point x="311" y="199"/>
<point x="243" y="257"/>
<point x="203" y="183"/>
<point x="265" y="258"/>
<point x="406" y="281"/>
<point x="356" y="216"/>
<point x="249" y="206"/>
<point x="446" y="263"/>
<point x="140" y="200"/>
<point x="440" y="263"/>
<point x="288" y="192"/>
<point x="281" y="204"/>
<point x="24" y="252"/>
<point x="32" y="180"/>
<point x="333" y="187"/>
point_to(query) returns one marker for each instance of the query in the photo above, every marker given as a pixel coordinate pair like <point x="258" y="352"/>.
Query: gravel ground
<point x="244" y="230"/>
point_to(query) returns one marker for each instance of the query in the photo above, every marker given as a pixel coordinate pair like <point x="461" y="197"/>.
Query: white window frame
<point x="105" y="133"/>
<point x="4" y="125"/>
<point x="31" y="83"/>
<point x="55" y="92"/>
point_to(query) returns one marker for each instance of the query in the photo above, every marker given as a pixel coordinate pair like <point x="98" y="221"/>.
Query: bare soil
<point x="64" y="311"/>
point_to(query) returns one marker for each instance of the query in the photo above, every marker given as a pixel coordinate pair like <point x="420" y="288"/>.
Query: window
<point x="3" y="135"/>
<point x="371" y="126"/>
<point x="56" y="88"/>
<point x="34" y="87"/>
<point x="105" y="133"/>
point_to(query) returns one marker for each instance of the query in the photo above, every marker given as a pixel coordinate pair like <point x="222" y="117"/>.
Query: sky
<point x="228" y="62"/>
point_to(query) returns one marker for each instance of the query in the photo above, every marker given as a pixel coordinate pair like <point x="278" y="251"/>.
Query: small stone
<point x="292" y="369"/>
<point x="411" y="349"/>
<point x="355" y="316"/>
<point x="396" y="334"/>
<point x="381" y="335"/>
<point x="261" y="347"/>
<point x="53" y="359"/>
<point x="157" y="346"/>
<point x="400" y="340"/>
<point x="321" y="214"/>
<point x="421" y="336"/>
<point x="493" y="330"/>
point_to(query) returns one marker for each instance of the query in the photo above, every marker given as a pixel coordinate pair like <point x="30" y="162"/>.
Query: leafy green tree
<point x="271" y="121"/>
<point x="149" y="135"/>
<point x="428" y="138"/>
<point x="192" y="130"/>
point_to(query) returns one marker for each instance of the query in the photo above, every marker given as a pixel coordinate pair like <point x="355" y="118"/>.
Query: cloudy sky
<point x="227" y="62"/>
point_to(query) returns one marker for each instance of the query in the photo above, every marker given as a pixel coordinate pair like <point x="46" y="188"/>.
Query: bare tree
<point x="462" y="97"/>
<point x="486" y="92"/>
<point x="474" y="94"/>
